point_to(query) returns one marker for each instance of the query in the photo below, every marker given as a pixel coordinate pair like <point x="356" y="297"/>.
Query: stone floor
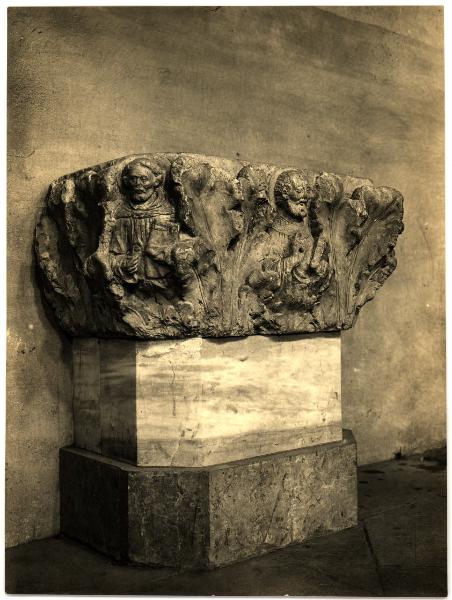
<point x="399" y="549"/>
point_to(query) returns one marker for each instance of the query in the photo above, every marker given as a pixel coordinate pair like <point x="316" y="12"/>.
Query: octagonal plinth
<point x="198" y="402"/>
<point x="210" y="516"/>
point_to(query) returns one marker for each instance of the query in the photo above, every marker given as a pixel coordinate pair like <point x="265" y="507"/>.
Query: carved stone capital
<point x="181" y="245"/>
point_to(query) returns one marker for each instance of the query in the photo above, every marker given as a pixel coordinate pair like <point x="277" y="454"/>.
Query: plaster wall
<point x="348" y="90"/>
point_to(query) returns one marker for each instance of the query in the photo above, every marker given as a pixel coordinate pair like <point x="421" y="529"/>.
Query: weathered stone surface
<point x="207" y="517"/>
<point x="199" y="402"/>
<point x="97" y="496"/>
<point x="180" y="245"/>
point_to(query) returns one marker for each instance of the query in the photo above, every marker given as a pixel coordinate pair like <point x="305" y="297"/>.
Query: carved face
<point x="255" y="183"/>
<point x="296" y="197"/>
<point x="140" y="183"/>
<point x="258" y="185"/>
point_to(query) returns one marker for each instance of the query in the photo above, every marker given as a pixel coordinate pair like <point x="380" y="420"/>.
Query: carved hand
<point x="266" y="276"/>
<point x="184" y="255"/>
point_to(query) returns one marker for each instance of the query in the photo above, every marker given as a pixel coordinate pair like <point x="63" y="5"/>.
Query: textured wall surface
<point x="348" y="90"/>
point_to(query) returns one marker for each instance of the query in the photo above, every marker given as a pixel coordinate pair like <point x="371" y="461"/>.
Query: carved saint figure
<point x="297" y="268"/>
<point x="145" y="232"/>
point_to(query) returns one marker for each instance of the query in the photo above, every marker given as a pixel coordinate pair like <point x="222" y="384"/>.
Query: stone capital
<point x="184" y="245"/>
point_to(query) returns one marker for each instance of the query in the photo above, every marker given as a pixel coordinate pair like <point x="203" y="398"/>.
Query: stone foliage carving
<point x="176" y="245"/>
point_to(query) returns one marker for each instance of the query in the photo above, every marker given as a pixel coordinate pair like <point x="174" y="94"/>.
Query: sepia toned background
<point x="349" y="90"/>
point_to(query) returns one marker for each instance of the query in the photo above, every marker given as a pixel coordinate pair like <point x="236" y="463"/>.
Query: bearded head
<point x="140" y="179"/>
<point x="292" y="194"/>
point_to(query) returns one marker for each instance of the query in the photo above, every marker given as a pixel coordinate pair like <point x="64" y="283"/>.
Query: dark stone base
<point x="210" y="516"/>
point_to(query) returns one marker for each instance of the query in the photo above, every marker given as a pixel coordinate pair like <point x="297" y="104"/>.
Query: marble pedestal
<point x="198" y="402"/>
<point x="200" y="452"/>
<point x="211" y="516"/>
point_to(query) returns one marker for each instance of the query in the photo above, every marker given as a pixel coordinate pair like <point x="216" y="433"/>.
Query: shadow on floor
<point x="398" y="549"/>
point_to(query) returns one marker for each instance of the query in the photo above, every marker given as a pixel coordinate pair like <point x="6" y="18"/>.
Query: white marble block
<point x="199" y="402"/>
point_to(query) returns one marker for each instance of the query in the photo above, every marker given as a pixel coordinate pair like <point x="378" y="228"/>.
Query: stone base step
<point x="206" y="517"/>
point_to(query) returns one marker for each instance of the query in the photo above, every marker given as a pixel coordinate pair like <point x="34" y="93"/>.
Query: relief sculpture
<point x="144" y="232"/>
<point x="294" y="268"/>
<point x="172" y="245"/>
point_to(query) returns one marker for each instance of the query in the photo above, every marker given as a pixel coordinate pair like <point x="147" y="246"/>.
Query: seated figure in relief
<point x="295" y="266"/>
<point x="145" y="231"/>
